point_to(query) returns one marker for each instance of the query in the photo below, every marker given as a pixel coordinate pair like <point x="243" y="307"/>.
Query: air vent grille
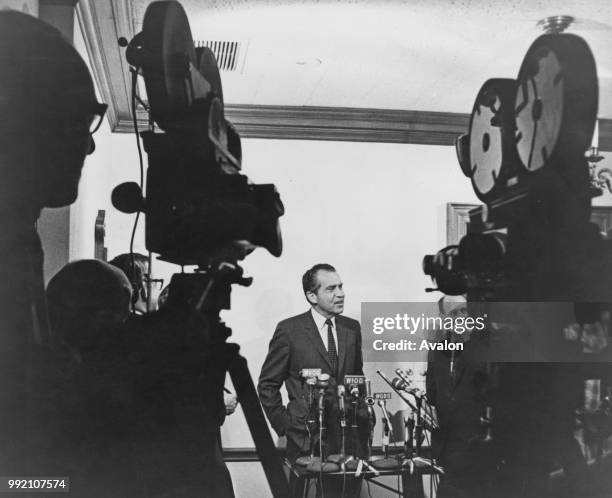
<point x="227" y="53"/>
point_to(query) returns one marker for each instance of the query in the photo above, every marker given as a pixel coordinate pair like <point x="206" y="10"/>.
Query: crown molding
<point x="103" y="22"/>
<point x="335" y="123"/>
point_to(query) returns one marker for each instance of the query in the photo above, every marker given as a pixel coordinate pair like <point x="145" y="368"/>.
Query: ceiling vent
<point x="229" y="54"/>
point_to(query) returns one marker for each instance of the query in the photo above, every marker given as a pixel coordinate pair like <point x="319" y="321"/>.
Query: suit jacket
<point x="297" y="344"/>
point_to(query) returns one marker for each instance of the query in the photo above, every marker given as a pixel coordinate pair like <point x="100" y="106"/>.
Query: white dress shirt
<point x="322" y="328"/>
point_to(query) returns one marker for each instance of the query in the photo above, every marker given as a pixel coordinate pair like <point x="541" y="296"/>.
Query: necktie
<point x="332" y="352"/>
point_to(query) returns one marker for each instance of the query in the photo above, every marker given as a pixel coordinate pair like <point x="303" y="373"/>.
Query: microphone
<point x="311" y="382"/>
<point x="383" y="406"/>
<point x="127" y="198"/>
<point x="405" y="376"/>
<point x="371" y="417"/>
<point x="401" y="385"/>
<point x="397" y="391"/>
<point x="323" y="380"/>
<point x="307" y="373"/>
<point x="369" y="399"/>
<point x="429" y="419"/>
<point x="322" y="383"/>
<point x="341" y="392"/>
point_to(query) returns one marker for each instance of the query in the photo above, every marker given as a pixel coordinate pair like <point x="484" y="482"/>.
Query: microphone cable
<point x="141" y="170"/>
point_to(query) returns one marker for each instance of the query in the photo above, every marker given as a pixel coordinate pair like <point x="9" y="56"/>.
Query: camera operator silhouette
<point x="89" y="303"/>
<point x="48" y="111"/>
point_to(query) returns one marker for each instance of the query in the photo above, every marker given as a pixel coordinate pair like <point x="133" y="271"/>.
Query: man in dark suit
<point x="320" y="338"/>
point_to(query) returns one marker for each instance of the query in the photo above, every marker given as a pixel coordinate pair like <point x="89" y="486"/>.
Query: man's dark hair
<point x="135" y="269"/>
<point x="309" y="280"/>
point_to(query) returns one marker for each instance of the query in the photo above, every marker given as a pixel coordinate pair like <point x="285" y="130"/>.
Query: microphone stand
<point x="419" y="436"/>
<point x="310" y="424"/>
<point x="408" y="436"/>
<point x="385" y="463"/>
<point x="354" y="463"/>
<point x="353" y="460"/>
<point x="418" y="428"/>
<point x="340" y="459"/>
<point x="320" y="465"/>
<point x="371" y="419"/>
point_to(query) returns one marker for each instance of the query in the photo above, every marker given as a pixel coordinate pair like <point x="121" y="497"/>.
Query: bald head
<point x="87" y="299"/>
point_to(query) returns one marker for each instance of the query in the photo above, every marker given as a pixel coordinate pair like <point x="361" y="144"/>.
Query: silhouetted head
<point x="88" y="300"/>
<point x="47" y="106"/>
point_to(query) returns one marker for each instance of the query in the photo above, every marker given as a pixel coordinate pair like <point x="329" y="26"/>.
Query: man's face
<point x="65" y="145"/>
<point x="328" y="299"/>
<point x="148" y="281"/>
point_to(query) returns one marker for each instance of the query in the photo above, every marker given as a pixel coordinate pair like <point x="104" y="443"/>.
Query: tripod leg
<point x="270" y="460"/>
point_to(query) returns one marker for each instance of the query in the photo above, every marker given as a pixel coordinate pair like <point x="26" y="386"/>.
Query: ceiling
<point x="425" y="57"/>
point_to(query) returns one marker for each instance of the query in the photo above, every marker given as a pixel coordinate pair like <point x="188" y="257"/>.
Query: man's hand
<point x="231" y="402"/>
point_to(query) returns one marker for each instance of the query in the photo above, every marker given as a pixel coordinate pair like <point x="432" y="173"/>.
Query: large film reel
<point x="492" y="155"/>
<point x="556" y="102"/>
<point x="181" y="79"/>
<point x="166" y="37"/>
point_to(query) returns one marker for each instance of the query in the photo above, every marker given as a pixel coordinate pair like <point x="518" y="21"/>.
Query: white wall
<point x="372" y="210"/>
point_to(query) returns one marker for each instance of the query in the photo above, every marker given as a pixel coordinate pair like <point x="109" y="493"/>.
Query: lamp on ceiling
<point x="555" y="24"/>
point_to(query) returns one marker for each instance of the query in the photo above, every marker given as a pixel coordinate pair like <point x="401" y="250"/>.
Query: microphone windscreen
<point x="127" y="198"/>
<point x="398" y="383"/>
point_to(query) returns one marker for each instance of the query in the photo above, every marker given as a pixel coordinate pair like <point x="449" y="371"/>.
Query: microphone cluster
<point x="350" y="396"/>
<point x="419" y="402"/>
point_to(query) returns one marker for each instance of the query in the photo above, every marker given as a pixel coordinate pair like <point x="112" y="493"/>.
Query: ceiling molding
<point x="350" y="124"/>
<point x="333" y="123"/>
<point x="102" y="23"/>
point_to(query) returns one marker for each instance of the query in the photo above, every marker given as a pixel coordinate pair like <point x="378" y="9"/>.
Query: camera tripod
<point x="207" y="292"/>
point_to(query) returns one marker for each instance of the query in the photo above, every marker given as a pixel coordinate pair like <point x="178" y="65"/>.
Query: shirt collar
<point x="320" y="319"/>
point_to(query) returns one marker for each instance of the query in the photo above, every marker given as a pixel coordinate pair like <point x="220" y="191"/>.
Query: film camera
<point x="525" y="157"/>
<point x="530" y="245"/>
<point x="197" y="202"/>
<point x="199" y="209"/>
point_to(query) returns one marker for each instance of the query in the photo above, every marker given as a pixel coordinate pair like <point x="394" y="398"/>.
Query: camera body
<point x="525" y="157"/>
<point x="198" y="205"/>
